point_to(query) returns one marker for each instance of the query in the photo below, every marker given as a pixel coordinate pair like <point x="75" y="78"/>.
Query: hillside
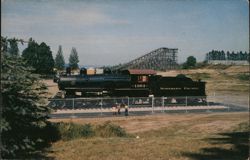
<point x="220" y="79"/>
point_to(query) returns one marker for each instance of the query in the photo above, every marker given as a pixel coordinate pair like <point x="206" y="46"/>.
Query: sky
<point x="108" y="32"/>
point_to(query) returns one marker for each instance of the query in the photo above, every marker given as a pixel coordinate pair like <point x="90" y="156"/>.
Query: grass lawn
<point x="169" y="136"/>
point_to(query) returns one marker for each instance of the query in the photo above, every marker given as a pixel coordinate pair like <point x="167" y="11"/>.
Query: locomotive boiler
<point x="131" y="82"/>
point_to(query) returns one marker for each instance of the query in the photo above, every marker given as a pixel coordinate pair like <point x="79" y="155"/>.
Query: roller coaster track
<point x="159" y="59"/>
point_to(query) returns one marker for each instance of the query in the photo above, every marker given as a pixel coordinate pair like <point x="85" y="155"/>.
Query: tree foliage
<point x="59" y="60"/>
<point x="221" y="55"/>
<point x="23" y="110"/>
<point x="73" y="59"/>
<point x="13" y="50"/>
<point x="190" y="62"/>
<point x="10" y="46"/>
<point x="39" y="57"/>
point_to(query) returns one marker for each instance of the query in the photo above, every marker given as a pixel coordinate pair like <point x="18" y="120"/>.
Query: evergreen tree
<point x="245" y="56"/>
<point x="23" y="111"/>
<point x="13" y="50"/>
<point x="39" y="57"/>
<point x="213" y="55"/>
<point x="46" y="61"/>
<point x="4" y="45"/>
<point x="223" y="55"/>
<point x="240" y="56"/>
<point x="73" y="59"/>
<point x="59" y="60"/>
<point x="228" y="55"/>
<point x="233" y="55"/>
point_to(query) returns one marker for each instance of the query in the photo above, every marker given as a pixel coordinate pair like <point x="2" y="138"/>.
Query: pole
<point x="128" y="101"/>
<point x="128" y="105"/>
<point x="186" y="104"/>
<point x="207" y="105"/>
<point x="152" y="105"/>
<point x="163" y="104"/>
<point x="227" y="104"/>
<point x="248" y="103"/>
<point x="101" y="106"/>
<point x="73" y="106"/>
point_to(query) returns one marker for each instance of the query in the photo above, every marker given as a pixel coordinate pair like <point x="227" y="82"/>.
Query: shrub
<point x="68" y="131"/>
<point x="243" y="77"/>
<point x="109" y="130"/>
<point x="190" y="63"/>
<point x="201" y="64"/>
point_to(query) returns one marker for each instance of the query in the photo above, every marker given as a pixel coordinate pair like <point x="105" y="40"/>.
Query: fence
<point x="103" y="106"/>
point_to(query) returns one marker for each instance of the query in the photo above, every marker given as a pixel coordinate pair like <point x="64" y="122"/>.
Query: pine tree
<point x="73" y="59"/>
<point x="13" y="50"/>
<point x="4" y="45"/>
<point x="39" y="57"/>
<point x="24" y="113"/>
<point x="59" y="60"/>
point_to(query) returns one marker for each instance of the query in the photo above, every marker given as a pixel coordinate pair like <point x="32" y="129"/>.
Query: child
<point x="118" y="109"/>
<point x="114" y="110"/>
<point x="126" y="110"/>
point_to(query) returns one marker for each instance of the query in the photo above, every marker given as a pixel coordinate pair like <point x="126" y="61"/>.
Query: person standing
<point x="118" y="109"/>
<point x="114" y="110"/>
<point x="126" y="110"/>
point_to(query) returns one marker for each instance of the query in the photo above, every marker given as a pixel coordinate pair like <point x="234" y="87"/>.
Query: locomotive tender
<point x="131" y="82"/>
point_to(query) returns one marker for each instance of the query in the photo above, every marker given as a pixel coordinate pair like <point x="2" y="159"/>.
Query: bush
<point x="109" y="130"/>
<point x="201" y="64"/>
<point x="243" y="77"/>
<point x="190" y="63"/>
<point x="68" y="131"/>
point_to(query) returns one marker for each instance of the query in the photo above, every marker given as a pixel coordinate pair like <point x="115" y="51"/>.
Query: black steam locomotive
<point x="131" y="82"/>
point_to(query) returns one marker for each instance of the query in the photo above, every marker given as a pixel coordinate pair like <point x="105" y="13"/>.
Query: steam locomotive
<point x="131" y="82"/>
